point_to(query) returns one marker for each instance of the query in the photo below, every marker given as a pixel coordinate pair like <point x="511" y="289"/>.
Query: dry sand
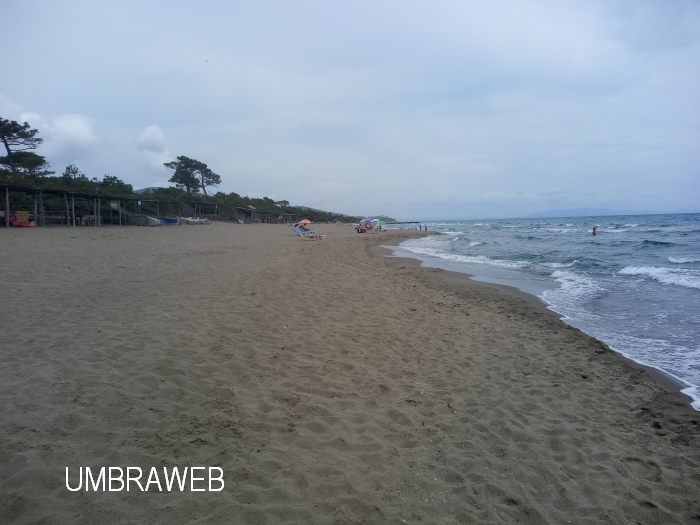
<point x="332" y="386"/>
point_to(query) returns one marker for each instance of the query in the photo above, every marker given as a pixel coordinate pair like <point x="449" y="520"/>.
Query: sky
<point x="417" y="110"/>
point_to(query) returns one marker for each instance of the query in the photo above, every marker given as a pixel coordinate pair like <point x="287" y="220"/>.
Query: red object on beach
<point x="305" y="221"/>
<point x="20" y="219"/>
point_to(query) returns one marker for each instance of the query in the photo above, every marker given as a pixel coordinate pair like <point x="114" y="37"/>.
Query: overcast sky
<point x="412" y="109"/>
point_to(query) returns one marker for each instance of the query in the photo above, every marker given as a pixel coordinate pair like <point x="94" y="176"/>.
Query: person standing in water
<point x="594" y="229"/>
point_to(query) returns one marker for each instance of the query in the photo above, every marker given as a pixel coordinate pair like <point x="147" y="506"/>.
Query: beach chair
<point x="312" y="236"/>
<point x="154" y="221"/>
<point x="301" y="231"/>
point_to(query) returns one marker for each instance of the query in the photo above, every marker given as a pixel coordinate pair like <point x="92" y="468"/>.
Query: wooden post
<point x="111" y="213"/>
<point x="99" y="212"/>
<point x="41" y="204"/>
<point x="72" y="205"/>
<point x="65" y="196"/>
<point x="36" y="220"/>
<point x="7" y="206"/>
<point x="157" y="209"/>
<point x="94" y="212"/>
<point x="119" y="202"/>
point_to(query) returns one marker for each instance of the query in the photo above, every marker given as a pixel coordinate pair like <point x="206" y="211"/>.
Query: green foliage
<point x="183" y="176"/>
<point x="72" y="175"/>
<point x="72" y="179"/>
<point x="8" y="177"/>
<point x="26" y="167"/>
<point x="115" y="186"/>
<point x="20" y="166"/>
<point x="18" y="137"/>
<point x="233" y="200"/>
<point x="192" y="175"/>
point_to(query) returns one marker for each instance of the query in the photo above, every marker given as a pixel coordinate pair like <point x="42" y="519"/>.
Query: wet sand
<point x="331" y="385"/>
<point x="452" y="281"/>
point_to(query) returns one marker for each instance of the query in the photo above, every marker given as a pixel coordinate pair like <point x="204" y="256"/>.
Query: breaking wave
<point x="674" y="276"/>
<point x="682" y="260"/>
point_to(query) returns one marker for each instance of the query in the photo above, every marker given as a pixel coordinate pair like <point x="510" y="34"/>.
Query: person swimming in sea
<point x="594" y="229"/>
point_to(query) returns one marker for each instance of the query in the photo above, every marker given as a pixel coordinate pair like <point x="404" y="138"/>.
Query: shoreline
<point x="667" y="381"/>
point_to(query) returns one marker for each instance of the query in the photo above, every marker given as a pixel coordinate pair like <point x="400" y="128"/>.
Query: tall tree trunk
<point x="9" y="156"/>
<point x="7" y="147"/>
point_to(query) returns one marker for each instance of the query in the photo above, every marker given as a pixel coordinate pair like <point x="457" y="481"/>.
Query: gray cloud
<point x="152" y="139"/>
<point x="67" y="138"/>
<point x="452" y="109"/>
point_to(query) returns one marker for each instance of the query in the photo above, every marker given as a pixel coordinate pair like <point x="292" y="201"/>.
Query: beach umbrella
<point x="374" y="220"/>
<point x="382" y="222"/>
<point x="305" y="221"/>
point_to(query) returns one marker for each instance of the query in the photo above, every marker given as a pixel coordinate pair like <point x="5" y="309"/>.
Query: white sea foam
<point x="451" y="233"/>
<point x="675" y="276"/>
<point x="571" y="298"/>
<point x="560" y="265"/>
<point x="478" y="259"/>
<point x="574" y="285"/>
<point x="589" y="295"/>
<point x="694" y="393"/>
<point x="433" y="247"/>
<point x="682" y="260"/>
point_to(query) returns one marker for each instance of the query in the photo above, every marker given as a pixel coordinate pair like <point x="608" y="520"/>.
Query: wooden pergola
<point x="94" y="205"/>
<point x="94" y="202"/>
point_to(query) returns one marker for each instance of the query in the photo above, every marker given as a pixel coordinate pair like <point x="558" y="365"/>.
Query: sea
<point x="634" y="285"/>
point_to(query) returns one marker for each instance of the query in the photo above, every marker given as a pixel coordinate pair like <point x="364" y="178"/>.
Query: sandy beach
<point x="331" y="384"/>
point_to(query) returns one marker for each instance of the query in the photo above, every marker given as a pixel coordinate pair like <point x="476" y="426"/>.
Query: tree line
<point x="22" y="166"/>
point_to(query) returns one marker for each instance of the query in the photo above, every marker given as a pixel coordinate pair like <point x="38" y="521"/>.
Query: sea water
<point x="634" y="285"/>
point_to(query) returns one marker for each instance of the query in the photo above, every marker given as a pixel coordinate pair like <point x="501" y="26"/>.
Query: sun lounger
<point x="154" y="221"/>
<point x="312" y="236"/>
<point x="190" y="220"/>
<point x="301" y="231"/>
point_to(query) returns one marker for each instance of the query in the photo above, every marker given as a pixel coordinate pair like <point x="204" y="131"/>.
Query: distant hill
<point x="384" y="218"/>
<point x="310" y="209"/>
<point x="147" y="190"/>
<point x="582" y="212"/>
